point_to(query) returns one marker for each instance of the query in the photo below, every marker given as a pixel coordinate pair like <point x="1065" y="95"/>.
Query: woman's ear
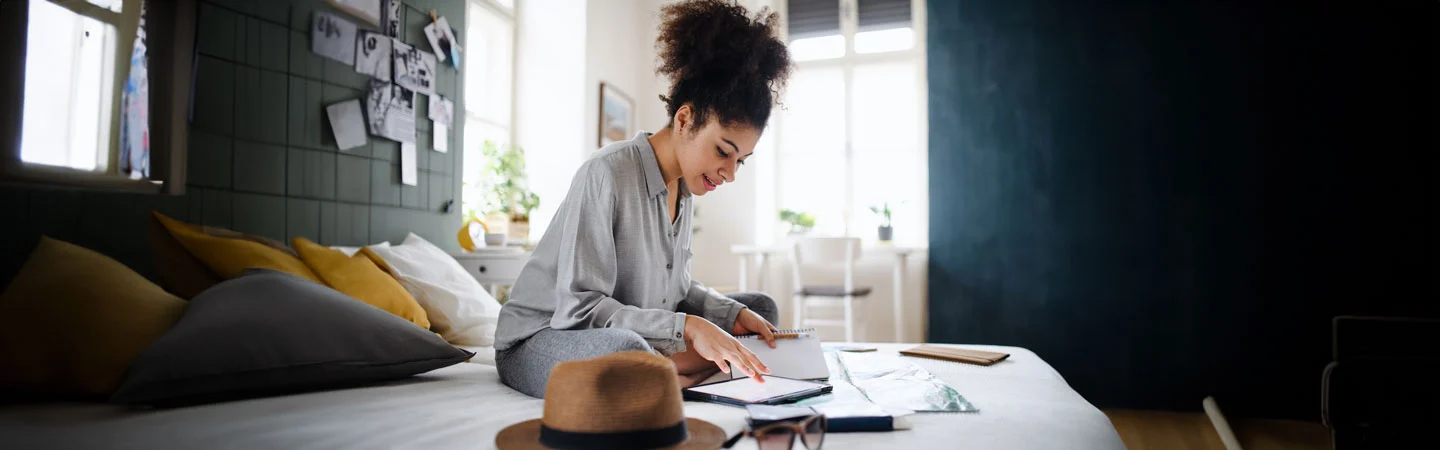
<point x="683" y="117"/>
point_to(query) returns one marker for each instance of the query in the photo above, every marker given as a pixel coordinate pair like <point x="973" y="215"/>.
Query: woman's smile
<point x="710" y="185"/>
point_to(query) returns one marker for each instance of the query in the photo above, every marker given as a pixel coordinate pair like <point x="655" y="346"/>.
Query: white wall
<point x="615" y="54"/>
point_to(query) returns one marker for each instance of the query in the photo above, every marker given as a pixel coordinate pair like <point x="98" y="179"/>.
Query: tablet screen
<point x="749" y="391"/>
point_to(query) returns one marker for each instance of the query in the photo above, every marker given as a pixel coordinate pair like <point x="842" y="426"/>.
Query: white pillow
<point x="351" y="251"/>
<point x="458" y="308"/>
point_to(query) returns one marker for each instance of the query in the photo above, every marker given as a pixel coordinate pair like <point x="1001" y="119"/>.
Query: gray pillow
<point x="269" y="333"/>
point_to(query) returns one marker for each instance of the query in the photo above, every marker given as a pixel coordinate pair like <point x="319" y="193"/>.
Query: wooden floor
<point x="1150" y="430"/>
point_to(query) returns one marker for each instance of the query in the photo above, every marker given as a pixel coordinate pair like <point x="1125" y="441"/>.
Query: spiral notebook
<point x="800" y="357"/>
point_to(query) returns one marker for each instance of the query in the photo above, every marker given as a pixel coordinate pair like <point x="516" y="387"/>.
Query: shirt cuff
<point x="728" y="322"/>
<point x="675" y="342"/>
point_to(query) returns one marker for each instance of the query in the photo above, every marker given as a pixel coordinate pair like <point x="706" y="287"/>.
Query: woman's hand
<point x="748" y="322"/>
<point x="713" y="344"/>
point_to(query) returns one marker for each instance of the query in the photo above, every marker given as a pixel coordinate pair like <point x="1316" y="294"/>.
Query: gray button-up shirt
<point x="611" y="258"/>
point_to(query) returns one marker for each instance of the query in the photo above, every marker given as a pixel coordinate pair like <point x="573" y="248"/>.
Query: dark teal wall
<point x="262" y="157"/>
<point x="1168" y="200"/>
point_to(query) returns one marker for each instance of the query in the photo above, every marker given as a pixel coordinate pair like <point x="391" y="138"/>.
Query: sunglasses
<point x="810" y="431"/>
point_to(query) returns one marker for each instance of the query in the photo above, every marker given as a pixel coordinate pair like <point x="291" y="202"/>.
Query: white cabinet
<point x="493" y="268"/>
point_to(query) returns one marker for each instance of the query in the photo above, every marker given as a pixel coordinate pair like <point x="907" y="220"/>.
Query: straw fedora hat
<point x="622" y="400"/>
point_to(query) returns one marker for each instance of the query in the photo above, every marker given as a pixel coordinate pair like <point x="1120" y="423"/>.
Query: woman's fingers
<point x="745" y="366"/>
<point x="755" y="362"/>
<point x="753" y="367"/>
<point x="722" y="365"/>
<point x="768" y="334"/>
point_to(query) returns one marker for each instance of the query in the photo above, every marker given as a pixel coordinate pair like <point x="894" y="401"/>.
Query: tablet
<point x="746" y="391"/>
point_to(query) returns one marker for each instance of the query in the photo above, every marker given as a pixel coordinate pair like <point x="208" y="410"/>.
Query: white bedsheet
<point x="483" y="355"/>
<point x="1024" y="404"/>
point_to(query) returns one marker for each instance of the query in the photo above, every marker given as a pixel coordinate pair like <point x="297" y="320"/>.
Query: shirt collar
<point x="654" y="181"/>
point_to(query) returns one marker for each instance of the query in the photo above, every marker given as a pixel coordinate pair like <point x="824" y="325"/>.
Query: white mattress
<point x="1024" y="404"/>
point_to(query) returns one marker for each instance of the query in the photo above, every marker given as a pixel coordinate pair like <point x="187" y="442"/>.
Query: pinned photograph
<point x="414" y="69"/>
<point x="333" y="37"/>
<point x="372" y="55"/>
<point x="442" y="110"/>
<point x="347" y="123"/>
<point x="442" y="39"/>
<point x="390" y="111"/>
<point x="391" y="25"/>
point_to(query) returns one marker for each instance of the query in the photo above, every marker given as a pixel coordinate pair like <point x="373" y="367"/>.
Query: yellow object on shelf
<point x="467" y="236"/>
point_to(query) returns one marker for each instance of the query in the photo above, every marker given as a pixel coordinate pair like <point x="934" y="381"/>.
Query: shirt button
<point x="668" y="266"/>
<point x="678" y="335"/>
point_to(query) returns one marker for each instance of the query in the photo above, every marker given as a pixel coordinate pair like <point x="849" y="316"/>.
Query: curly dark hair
<point x="721" y="61"/>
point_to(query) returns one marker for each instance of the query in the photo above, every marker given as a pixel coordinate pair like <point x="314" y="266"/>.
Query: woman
<point x="611" y="272"/>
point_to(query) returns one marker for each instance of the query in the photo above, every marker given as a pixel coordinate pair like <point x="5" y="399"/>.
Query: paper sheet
<point x="333" y="37"/>
<point x="441" y="140"/>
<point x="408" y="173"/>
<point x="372" y="55"/>
<point x="347" y="123"/>
<point x="414" y="69"/>
<point x="390" y="111"/>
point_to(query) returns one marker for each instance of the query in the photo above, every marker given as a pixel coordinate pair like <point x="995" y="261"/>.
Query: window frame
<point x="170" y="41"/>
<point x="849" y="26"/>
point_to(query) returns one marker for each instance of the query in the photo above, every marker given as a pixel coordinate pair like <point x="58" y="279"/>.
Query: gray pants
<point x="526" y="366"/>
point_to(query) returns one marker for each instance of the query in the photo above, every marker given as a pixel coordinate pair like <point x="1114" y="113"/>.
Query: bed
<point x="1024" y="404"/>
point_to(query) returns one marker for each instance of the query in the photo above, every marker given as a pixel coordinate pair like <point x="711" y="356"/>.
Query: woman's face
<point x="712" y="154"/>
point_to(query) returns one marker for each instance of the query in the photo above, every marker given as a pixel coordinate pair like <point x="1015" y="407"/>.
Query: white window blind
<point x="879" y="14"/>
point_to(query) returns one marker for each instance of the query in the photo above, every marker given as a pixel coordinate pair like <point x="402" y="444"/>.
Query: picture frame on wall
<point x="617" y="115"/>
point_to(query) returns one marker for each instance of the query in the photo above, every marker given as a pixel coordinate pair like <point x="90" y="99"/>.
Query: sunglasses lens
<point x="779" y="439"/>
<point x="814" y="433"/>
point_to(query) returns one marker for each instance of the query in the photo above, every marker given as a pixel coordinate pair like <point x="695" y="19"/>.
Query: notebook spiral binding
<point x="797" y="332"/>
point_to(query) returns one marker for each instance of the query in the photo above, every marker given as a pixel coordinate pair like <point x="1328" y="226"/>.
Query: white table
<point x="762" y="256"/>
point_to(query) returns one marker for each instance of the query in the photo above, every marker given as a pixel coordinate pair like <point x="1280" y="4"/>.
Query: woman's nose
<point x="728" y="173"/>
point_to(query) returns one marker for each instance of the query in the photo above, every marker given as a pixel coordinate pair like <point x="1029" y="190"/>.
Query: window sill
<point x="34" y="175"/>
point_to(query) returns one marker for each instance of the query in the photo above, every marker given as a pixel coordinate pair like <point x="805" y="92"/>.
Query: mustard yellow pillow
<point x="229" y="257"/>
<point x="357" y="276"/>
<point x="72" y="319"/>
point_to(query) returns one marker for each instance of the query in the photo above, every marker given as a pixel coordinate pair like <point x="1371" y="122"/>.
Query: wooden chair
<point x="826" y="251"/>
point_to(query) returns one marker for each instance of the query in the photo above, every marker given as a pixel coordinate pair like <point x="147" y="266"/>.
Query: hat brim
<point x="526" y="435"/>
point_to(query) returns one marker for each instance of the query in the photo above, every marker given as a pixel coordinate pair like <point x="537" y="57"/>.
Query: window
<point x="860" y="69"/>
<point x="83" y="107"/>
<point x="489" y="84"/>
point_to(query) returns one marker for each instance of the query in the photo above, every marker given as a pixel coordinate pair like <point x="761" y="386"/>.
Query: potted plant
<point x="800" y="222"/>
<point x="885" y="231"/>
<point x="507" y="193"/>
